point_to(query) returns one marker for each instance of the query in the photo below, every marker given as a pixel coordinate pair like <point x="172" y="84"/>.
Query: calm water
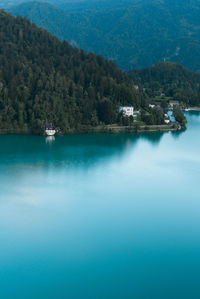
<point x="101" y="216"/>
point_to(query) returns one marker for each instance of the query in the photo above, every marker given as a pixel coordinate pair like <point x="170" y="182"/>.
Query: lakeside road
<point x="134" y="129"/>
<point x="193" y="109"/>
<point x="114" y="129"/>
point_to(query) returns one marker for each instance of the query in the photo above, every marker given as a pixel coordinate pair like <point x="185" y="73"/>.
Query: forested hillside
<point x="42" y="78"/>
<point x="135" y="34"/>
<point x="170" y="79"/>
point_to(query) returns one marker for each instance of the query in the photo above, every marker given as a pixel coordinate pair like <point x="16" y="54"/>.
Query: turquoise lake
<point x="101" y="216"/>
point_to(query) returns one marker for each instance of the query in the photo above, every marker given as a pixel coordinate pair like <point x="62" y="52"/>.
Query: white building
<point x="173" y="103"/>
<point x="50" y="132"/>
<point x="136" y="87"/>
<point x="127" y="110"/>
<point x="49" y="129"/>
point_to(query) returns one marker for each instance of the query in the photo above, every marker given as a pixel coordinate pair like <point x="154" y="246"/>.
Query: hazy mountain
<point x="10" y="3"/>
<point x="137" y="35"/>
<point x="78" y="5"/>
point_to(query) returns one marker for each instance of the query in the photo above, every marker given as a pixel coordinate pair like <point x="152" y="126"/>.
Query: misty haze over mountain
<point x="73" y="3"/>
<point x="135" y="34"/>
<point x="78" y="4"/>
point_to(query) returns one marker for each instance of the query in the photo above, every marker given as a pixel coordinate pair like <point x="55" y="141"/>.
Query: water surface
<point x="101" y="216"/>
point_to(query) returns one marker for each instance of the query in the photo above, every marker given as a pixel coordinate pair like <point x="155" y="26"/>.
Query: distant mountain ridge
<point x="79" y="5"/>
<point x="136" y="34"/>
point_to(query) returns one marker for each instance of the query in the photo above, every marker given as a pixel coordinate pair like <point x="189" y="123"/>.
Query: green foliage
<point x="106" y="112"/>
<point x="172" y="79"/>
<point x="42" y="78"/>
<point x="153" y="116"/>
<point x="179" y="116"/>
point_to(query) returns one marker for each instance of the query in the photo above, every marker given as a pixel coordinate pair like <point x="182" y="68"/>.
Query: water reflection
<point x="70" y="150"/>
<point x="177" y="134"/>
<point x="122" y="210"/>
<point x="191" y="114"/>
<point x="153" y="138"/>
<point x="50" y="139"/>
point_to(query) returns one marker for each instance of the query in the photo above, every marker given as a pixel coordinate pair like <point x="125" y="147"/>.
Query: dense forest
<point x="133" y="33"/>
<point x="170" y="79"/>
<point x="42" y="79"/>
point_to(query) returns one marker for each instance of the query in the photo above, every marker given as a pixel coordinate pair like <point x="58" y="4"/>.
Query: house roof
<point x="174" y="102"/>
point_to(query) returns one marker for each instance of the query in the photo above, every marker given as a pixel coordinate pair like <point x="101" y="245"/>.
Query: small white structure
<point x="151" y="105"/>
<point x="50" y="132"/>
<point x="127" y="110"/>
<point x="167" y="119"/>
<point x="136" y="87"/>
<point x="49" y="129"/>
<point x="173" y="103"/>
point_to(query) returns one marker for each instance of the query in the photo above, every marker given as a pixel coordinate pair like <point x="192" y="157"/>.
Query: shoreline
<point x="114" y="129"/>
<point x="193" y="109"/>
<point x="109" y="129"/>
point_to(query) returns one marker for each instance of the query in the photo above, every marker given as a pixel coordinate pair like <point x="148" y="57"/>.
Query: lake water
<point x="101" y="216"/>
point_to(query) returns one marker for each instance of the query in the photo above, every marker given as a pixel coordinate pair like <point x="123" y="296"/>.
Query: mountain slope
<point x="172" y="79"/>
<point x="9" y="3"/>
<point x="45" y="15"/>
<point x="42" y="78"/>
<point x="135" y="35"/>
